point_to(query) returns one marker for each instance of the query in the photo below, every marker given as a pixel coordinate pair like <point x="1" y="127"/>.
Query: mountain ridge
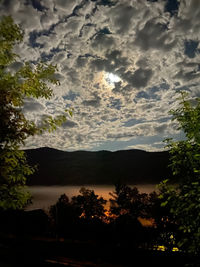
<point x="57" y="167"/>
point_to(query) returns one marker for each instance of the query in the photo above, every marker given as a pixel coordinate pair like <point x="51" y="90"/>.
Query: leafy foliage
<point x="27" y="82"/>
<point x="183" y="198"/>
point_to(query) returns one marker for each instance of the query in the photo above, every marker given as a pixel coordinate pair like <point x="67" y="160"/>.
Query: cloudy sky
<point x="120" y="64"/>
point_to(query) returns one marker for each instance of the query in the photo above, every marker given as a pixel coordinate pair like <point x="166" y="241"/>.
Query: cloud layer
<point x="152" y="46"/>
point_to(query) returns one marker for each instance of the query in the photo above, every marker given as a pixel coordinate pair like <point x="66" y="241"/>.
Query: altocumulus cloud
<point x="152" y="47"/>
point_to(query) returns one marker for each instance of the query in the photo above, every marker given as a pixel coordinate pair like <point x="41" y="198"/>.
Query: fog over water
<point x="45" y="196"/>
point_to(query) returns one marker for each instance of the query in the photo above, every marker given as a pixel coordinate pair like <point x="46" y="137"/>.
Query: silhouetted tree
<point x="64" y="215"/>
<point x="126" y="205"/>
<point x="89" y="204"/>
<point x="127" y="200"/>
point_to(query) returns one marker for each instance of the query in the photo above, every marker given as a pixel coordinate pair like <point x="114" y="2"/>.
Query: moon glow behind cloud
<point x="112" y="78"/>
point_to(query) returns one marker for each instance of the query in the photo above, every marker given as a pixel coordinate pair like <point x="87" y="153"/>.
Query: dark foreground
<point x="80" y="232"/>
<point x="27" y="251"/>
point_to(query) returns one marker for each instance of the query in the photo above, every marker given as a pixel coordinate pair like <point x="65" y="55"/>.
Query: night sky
<point x="120" y="64"/>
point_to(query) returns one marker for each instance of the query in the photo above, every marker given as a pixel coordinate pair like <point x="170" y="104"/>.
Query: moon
<point x="112" y="78"/>
<point x="106" y="80"/>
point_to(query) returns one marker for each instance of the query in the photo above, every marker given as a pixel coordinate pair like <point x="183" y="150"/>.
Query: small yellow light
<point x="161" y="248"/>
<point x="175" y="249"/>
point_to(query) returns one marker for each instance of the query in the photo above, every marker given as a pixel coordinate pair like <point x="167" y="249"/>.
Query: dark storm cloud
<point x="122" y="16"/>
<point x="103" y="41"/>
<point x="9" y="5"/>
<point x="188" y="19"/>
<point x="139" y="78"/>
<point x="101" y="64"/>
<point x="94" y="102"/>
<point x="81" y="62"/>
<point x="118" y="88"/>
<point x="69" y="124"/>
<point x="32" y="105"/>
<point x="154" y="35"/>
<point x="161" y="128"/>
<point x="113" y="61"/>
<point x="117" y="60"/>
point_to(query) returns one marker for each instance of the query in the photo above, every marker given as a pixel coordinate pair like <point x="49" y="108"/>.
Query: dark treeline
<point x="88" y="216"/>
<point x="89" y="227"/>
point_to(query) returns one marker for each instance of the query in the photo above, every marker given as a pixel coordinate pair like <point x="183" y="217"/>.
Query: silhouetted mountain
<point x="57" y="167"/>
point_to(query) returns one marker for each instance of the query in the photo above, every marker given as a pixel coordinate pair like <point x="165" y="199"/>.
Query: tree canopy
<point x="91" y="206"/>
<point x="127" y="200"/>
<point x="29" y="81"/>
<point x="183" y="197"/>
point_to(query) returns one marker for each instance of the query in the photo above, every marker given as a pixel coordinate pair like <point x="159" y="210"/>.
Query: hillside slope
<point x="57" y="167"/>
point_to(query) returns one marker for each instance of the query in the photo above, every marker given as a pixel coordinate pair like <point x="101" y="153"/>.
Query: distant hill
<point x="57" y="167"/>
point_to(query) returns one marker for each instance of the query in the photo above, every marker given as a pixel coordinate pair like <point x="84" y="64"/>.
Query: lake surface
<point x="45" y="196"/>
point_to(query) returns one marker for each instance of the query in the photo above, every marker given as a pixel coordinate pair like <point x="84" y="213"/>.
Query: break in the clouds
<point x="120" y="64"/>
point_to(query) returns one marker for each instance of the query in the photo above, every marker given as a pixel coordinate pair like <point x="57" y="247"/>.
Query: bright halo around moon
<point x="106" y="80"/>
<point x="112" y="78"/>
